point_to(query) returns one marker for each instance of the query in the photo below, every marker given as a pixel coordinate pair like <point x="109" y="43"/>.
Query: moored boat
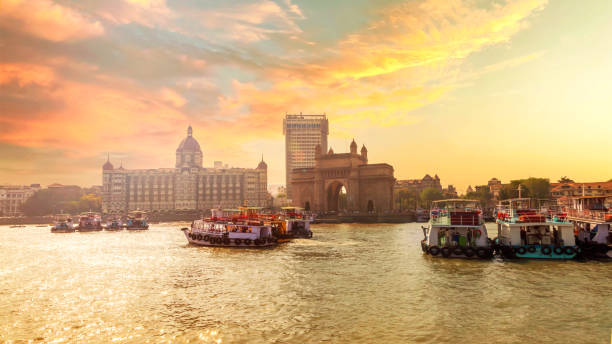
<point x="292" y="223"/>
<point x="592" y="221"/>
<point x="62" y="223"/>
<point x="245" y="230"/>
<point x="136" y="221"/>
<point x="525" y="232"/>
<point x="113" y="224"/>
<point x="89" y="222"/>
<point x="456" y="229"/>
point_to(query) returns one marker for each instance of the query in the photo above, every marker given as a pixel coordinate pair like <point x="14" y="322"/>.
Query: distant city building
<point x="302" y="134"/>
<point x="450" y="192"/>
<point x="495" y="187"/>
<point x="563" y="192"/>
<point x="187" y="186"/>
<point x="13" y="196"/>
<point x="469" y="189"/>
<point x="418" y="185"/>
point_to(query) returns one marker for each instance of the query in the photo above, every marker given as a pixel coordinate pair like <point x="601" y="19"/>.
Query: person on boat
<point x="455" y="238"/>
<point x="523" y="236"/>
<point x="469" y="237"/>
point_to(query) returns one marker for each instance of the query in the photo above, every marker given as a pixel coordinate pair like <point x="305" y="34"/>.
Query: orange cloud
<point x="47" y="20"/>
<point x="25" y="74"/>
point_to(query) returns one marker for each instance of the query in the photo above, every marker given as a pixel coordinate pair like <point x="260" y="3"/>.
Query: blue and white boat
<point x="136" y="221"/>
<point x="523" y="232"/>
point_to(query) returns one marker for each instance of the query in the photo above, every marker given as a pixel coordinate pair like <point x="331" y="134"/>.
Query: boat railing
<point x="598" y="215"/>
<point x="457" y="218"/>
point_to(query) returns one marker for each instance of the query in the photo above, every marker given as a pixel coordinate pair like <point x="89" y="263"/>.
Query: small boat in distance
<point x="245" y="229"/>
<point x="113" y="224"/>
<point x="456" y="230"/>
<point x="525" y="232"/>
<point x="89" y="222"/>
<point x="136" y="221"/>
<point x="292" y="223"/>
<point x="62" y="223"/>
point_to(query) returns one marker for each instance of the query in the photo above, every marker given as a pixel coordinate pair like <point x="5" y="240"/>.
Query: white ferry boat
<point x="244" y="230"/>
<point x="292" y="223"/>
<point x="527" y="233"/>
<point x="456" y="230"/>
<point x="89" y="222"/>
<point x="593" y="225"/>
<point x="62" y="223"/>
<point x="136" y="221"/>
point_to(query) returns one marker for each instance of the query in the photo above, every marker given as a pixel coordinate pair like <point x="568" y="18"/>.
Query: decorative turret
<point x="331" y="151"/>
<point x="262" y="164"/>
<point x="107" y="165"/>
<point x="364" y="152"/>
<point x="353" y="147"/>
<point x="436" y="177"/>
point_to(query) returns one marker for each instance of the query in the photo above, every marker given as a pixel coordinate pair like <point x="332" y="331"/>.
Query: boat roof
<point x="291" y="208"/>
<point x="589" y="197"/>
<point x="455" y="200"/>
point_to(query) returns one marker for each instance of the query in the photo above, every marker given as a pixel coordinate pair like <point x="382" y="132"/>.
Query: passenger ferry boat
<point x="246" y="229"/>
<point x="62" y="223"/>
<point x="526" y="232"/>
<point x="89" y="222"/>
<point x="136" y="221"/>
<point x="456" y="230"/>
<point x="114" y="224"/>
<point x="292" y="223"/>
<point x="593" y="225"/>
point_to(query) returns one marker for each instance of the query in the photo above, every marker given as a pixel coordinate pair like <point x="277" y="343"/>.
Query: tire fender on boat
<point x="458" y="251"/>
<point x="531" y="249"/>
<point x="558" y="250"/>
<point x="469" y="252"/>
<point x="521" y="250"/>
<point x="446" y="251"/>
<point x="482" y="252"/>
<point x="545" y="250"/>
<point x="434" y="250"/>
<point x="569" y="250"/>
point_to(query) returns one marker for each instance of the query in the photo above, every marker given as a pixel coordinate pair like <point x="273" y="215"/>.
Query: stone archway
<point x="369" y="187"/>
<point x="334" y="192"/>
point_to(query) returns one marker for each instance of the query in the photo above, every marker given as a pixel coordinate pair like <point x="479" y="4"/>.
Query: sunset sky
<point x="469" y="90"/>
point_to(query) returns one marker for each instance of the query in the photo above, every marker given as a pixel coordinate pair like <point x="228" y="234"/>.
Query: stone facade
<point x="369" y="187"/>
<point x="187" y="186"/>
<point x="418" y="185"/>
<point x="13" y="196"/>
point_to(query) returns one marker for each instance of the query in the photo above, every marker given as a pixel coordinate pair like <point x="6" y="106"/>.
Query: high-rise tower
<point x="302" y="134"/>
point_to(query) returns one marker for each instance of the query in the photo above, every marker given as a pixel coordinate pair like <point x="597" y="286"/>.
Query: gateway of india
<point x="187" y="186"/>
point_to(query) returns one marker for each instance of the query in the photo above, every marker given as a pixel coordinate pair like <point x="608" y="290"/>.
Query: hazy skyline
<point x="468" y="90"/>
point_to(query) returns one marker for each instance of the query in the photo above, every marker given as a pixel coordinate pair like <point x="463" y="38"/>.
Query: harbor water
<point x="352" y="283"/>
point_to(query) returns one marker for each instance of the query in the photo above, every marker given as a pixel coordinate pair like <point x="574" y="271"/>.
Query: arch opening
<point x="337" y="199"/>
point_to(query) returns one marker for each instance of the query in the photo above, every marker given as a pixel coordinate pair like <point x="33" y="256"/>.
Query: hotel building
<point x="302" y="134"/>
<point x="187" y="186"/>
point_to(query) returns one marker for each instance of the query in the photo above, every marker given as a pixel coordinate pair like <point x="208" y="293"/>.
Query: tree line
<point x="536" y="188"/>
<point x="55" y="201"/>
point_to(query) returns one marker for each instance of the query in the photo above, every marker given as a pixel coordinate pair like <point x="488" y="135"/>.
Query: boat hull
<point x="233" y="243"/>
<point x="539" y="252"/>
<point x="463" y="252"/>
<point x="87" y="229"/>
<point x="137" y="228"/>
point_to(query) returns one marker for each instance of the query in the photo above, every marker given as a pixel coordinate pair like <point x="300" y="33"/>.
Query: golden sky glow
<point x="466" y="89"/>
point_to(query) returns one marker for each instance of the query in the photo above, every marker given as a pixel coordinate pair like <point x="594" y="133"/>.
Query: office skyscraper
<point x="302" y="134"/>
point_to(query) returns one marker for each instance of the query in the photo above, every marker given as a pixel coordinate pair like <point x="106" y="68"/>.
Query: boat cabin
<point x="456" y="212"/>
